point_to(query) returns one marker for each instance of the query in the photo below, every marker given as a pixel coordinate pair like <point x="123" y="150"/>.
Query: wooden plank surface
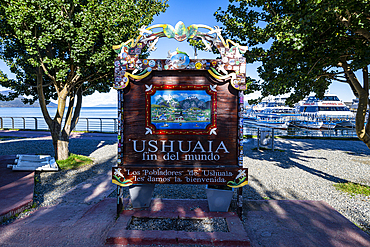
<point x="205" y="150"/>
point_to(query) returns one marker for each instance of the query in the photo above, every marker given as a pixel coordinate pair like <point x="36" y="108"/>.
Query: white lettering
<point x="210" y="146"/>
<point x="136" y="148"/>
<point x="164" y="146"/>
<point x="153" y="146"/>
<point x="199" y="146"/>
<point x="180" y="147"/>
<point x="171" y="146"/>
<point x="222" y="146"/>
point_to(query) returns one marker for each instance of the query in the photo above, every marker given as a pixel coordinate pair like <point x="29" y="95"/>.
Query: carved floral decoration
<point x="231" y="66"/>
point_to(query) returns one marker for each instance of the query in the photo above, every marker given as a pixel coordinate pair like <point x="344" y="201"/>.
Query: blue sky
<point x="190" y="12"/>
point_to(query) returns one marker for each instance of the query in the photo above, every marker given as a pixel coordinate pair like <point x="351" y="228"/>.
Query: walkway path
<point x="16" y="188"/>
<point x="81" y="218"/>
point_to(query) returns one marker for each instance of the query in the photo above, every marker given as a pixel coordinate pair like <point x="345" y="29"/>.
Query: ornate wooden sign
<point x="180" y="117"/>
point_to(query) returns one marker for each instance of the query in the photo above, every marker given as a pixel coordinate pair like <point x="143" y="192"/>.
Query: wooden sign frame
<point x="180" y="117"/>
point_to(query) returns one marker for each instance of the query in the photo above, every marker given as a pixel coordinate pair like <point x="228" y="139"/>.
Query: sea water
<point x="86" y="112"/>
<point x="91" y="118"/>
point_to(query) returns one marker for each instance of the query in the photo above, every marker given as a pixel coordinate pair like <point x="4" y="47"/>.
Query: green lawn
<point x="353" y="188"/>
<point x="74" y="161"/>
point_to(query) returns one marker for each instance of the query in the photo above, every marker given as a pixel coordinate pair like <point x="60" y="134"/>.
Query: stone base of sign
<point x="141" y="195"/>
<point x="176" y="208"/>
<point x="219" y="200"/>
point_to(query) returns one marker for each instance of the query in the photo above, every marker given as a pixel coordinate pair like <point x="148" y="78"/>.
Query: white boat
<point x="329" y="107"/>
<point x="268" y="123"/>
<point x="331" y="111"/>
<point x="346" y="124"/>
<point x="328" y="125"/>
<point x="273" y="104"/>
<point x="270" y="113"/>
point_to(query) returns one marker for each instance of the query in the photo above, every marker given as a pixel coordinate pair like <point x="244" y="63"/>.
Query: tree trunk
<point x="61" y="149"/>
<point x="60" y="141"/>
<point x="362" y="130"/>
<point x="59" y="135"/>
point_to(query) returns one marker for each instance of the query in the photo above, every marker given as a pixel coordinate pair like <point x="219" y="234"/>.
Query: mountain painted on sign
<point x="181" y="106"/>
<point x="184" y="104"/>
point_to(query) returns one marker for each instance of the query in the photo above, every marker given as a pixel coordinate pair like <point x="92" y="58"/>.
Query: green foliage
<point x="353" y="188"/>
<point x="71" y="40"/>
<point x="74" y="161"/>
<point x="62" y="50"/>
<point x="306" y="41"/>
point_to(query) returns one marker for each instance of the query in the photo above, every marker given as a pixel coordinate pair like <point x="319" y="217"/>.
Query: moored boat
<point x="328" y="107"/>
<point x="306" y="124"/>
<point x="346" y="124"/>
<point x="276" y="124"/>
<point x="328" y="125"/>
<point x="330" y="110"/>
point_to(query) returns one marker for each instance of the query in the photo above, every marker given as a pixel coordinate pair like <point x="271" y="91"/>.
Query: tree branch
<point x="365" y="74"/>
<point x="313" y="66"/>
<point x="329" y="75"/>
<point x="45" y="70"/>
<point x="46" y="85"/>
<point x="351" y="76"/>
<point x="42" y="102"/>
<point x="347" y="23"/>
<point x="67" y="124"/>
<point x="62" y="97"/>
<point x="87" y="78"/>
<point x="270" y="9"/>
<point x="77" y="109"/>
<point x="344" y="81"/>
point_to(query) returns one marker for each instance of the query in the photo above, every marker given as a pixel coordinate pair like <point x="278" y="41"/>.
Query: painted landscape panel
<point x="181" y="109"/>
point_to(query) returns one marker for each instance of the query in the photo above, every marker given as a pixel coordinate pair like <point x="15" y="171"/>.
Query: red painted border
<point x="152" y="91"/>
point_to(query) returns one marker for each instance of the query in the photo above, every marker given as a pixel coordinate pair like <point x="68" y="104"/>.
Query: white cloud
<point x="100" y="99"/>
<point x="254" y="95"/>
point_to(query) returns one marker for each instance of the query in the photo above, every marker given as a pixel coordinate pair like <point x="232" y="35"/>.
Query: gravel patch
<point x="175" y="224"/>
<point x="304" y="169"/>
<point x="50" y="186"/>
<point x="307" y="169"/>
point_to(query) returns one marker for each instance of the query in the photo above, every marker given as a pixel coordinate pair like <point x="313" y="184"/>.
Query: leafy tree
<point x="311" y="43"/>
<point x="62" y="50"/>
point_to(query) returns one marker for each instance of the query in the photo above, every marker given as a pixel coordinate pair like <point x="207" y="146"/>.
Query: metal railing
<point x="38" y="123"/>
<point x="346" y="133"/>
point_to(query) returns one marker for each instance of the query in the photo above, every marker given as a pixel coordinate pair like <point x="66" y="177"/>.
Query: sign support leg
<point x="119" y="200"/>
<point x="240" y="202"/>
